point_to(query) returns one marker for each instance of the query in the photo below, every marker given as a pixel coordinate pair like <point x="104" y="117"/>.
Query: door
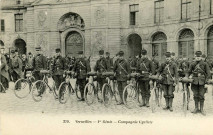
<point x="74" y="44"/>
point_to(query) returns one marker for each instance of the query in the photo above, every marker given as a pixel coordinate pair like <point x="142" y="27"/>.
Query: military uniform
<point x="4" y="75"/>
<point x="15" y="67"/>
<point x="100" y="67"/>
<point x="200" y="73"/>
<point x="81" y="68"/>
<point x="59" y="65"/>
<point x="145" y="68"/>
<point x="39" y="63"/>
<point x="109" y="61"/>
<point x="133" y="64"/>
<point x="122" y="70"/>
<point x="168" y="71"/>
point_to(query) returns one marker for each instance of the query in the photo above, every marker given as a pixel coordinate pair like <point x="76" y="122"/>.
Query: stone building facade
<point x="180" y="26"/>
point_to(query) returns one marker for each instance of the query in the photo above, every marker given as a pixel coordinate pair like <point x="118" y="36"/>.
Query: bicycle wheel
<point x="184" y="103"/>
<point x="116" y="94"/>
<point x="107" y="94"/>
<point x="22" y="88"/>
<point x="89" y="93"/>
<point x="154" y="100"/>
<point x="38" y="90"/>
<point x="2" y="87"/>
<point x="77" y="91"/>
<point x="64" y="92"/>
<point x="130" y="97"/>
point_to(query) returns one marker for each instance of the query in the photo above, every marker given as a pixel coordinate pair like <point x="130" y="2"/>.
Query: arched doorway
<point x="71" y="30"/>
<point x="20" y="45"/>
<point x="135" y="46"/>
<point x="73" y="43"/>
<point x="159" y="46"/>
<point x="1" y="43"/>
<point x="186" y="44"/>
<point x="210" y="43"/>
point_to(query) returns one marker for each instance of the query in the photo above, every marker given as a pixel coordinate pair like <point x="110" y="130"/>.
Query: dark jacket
<point x="122" y="69"/>
<point x="145" y="67"/>
<point x="59" y="65"/>
<point x="81" y="68"/>
<point x="39" y="62"/>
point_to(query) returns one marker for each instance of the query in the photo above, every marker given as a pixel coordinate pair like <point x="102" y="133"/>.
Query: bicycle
<point x="66" y="89"/>
<point x="186" y="93"/>
<point x="2" y="88"/>
<point x="107" y="91"/>
<point x="39" y="87"/>
<point x="22" y="87"/>
<point x="90" y="90"/>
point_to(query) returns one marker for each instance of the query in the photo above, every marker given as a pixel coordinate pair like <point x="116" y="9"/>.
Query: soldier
<point x="155" y="63"/>
<point x="133" y="64"/>
<point x="39" y="63"/>
<point x="81" y="68"/>
<point x="15" y="66"/>
<point x="122" y="70"/>
<point x="109" y="61"/>
<point x="168" y="71"/>
<point x="58" y="67"/>
<point x="200" y="73"/>
<point x="4" y="76"/>
<point x="145" y="68"/>
<point x="100" y="67"/>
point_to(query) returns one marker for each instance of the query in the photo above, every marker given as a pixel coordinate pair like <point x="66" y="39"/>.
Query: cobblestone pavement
<point x="9" y="103"/>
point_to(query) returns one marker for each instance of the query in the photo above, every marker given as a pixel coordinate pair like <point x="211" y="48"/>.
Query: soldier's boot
<point x="170" y="104"/>
<point x="143" y="102"/>
<point x="201" y="108"/>
<point x="167" y="104"/>
<point x="196" y="107"/>
<point x="147" y="102"/>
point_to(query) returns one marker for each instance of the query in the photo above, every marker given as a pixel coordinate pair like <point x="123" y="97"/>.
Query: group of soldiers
<point x="168" y="72"/>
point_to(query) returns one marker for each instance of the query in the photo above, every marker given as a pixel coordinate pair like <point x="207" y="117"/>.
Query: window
<point x="18" y="22"/>
<point x="211" y="7"/>
<point x="159" y="11"/>
<point x="185" y="9"/>
<point x="133" y="14"/>
<point x="18" y="1"/>
<point x="2" y="26"/>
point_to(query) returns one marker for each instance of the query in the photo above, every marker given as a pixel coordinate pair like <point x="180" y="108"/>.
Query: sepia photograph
<point x="87" y="67"/>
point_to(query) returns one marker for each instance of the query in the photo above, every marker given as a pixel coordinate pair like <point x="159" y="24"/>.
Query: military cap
<point x="143" y="52"/>
<point x="173" y="54"/>
<point x="121" y="53"/>
<point x="203" y="56"/>
<point x="168" y="54"/>
<point x="101" y="52"/>
<point x="107" y="53"/>
<point x="57" y="50"/>
<point x="12" y="51"/>
<point x="198" y="53"/>
<point x="80" y="52"/>
<point x="16" y="50"/>
<point x="38" y="48"/>
<point x="29" y="53"/>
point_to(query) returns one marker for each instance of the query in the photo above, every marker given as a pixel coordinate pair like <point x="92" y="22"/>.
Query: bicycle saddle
<point x="153" y="77"/>
<point x="44" y="71"/>
<point x="134" y="74"/>
<point x="186" y="80"/>
<point x="68" y="72"/>
<point x="108" y="74"/>
<point x="92" y="74"/>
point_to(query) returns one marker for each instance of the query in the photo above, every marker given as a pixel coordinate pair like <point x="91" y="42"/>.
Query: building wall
<point x="106" y="24"/>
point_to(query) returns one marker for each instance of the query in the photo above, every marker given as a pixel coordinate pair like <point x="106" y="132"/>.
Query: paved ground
<point x="9" y="103"/>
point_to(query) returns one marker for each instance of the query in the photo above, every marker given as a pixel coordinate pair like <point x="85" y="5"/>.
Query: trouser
<point x="145" y="89"/>
<point x="168" y="90"/>
<point x="15" y="77"/>
<point x="81" y="83"/>
<point x="4" y="83"/>
<point x="39" y="76"/>
<point x="121" y="86"/>
<point x="101" y="82"/>
<point x="58" y="80"/>
<point x="198" y="92"/>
